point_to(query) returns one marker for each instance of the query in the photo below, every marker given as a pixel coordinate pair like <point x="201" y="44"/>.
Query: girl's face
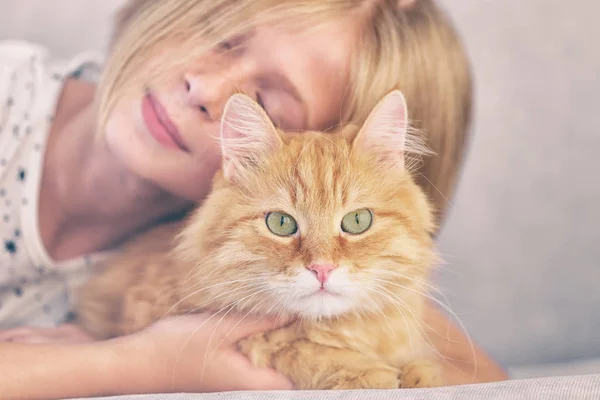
<point x="167" y="132"/>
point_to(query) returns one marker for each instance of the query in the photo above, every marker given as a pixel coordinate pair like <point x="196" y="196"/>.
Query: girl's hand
<point x="197" y="353"/>
<point x="192" y="353"/>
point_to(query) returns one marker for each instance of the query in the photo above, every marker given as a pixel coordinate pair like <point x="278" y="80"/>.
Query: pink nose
<point x="322" y="271"/>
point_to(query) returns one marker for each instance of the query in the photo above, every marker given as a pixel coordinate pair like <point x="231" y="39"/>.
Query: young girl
<point x="86" y="165"/>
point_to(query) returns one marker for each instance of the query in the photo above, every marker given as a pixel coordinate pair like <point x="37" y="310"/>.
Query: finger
<point x="10" y="334"/>
<point x="26" y="336"/>
<point x="28" y="331"/>
<point x="72" y="334"/>
<point x="62" y="334"/>
<point x="33" y="339"/>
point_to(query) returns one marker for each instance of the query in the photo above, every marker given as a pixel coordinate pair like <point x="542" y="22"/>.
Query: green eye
<point x="357" y="222"/>
<point x="281" y="224"/>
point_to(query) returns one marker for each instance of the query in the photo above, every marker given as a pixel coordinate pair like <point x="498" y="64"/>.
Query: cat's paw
<point x="372" y="379"/>
<point x="257" y="349"/>
<point x="421" y="374"/>
<point x="138" y="310"/>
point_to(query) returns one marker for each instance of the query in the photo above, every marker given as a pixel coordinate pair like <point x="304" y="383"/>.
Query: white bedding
<point x="583" y="387"/>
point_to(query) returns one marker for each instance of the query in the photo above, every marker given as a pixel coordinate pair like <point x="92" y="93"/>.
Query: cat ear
<point x="384" y="132"/>
<point x="247" y="135"/>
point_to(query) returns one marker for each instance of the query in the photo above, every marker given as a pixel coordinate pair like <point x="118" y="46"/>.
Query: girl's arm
<point x="169" y="357"/>
<point x="46" y="371"/>
<point x="194" y="353"/>
<point x="464" y="362"/>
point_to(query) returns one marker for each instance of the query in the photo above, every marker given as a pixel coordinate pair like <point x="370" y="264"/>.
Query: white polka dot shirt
<point x="34" y="290"/>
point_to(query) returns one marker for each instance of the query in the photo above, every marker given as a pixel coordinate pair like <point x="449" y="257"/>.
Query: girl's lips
<point x="159" y="124"/>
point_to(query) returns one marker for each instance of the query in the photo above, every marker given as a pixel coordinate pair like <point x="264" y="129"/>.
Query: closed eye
<point x="260" y="102"/>
<point x="226" y="46"/>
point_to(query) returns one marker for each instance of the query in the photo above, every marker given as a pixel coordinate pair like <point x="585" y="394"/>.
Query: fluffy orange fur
<point x="362" y="328"/>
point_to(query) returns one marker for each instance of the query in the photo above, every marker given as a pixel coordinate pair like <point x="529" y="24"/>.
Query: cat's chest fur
<point x="391" y="336"/>
<point x="341" y="350"/>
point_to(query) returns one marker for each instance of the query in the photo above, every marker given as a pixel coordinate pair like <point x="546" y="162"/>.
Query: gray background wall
<point x="522" y="241"/>
<point x="524" y="237"/>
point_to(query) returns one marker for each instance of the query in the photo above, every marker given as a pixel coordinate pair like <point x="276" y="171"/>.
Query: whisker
<point x="417" y="281"/>
<point x="451" y="313"/>
<point x="211" y="303"/>
<point x="201" y="290"/>
<point x="190" y="337"/>
<point x="380" y="310"/>
<point x="435" y="187"/>
<point x="421" y="321"/>
<point x="425" y="283"/>
<point x="242" y="278"/>
<point x="417" y="327"/>
<point x="401" y="314"/>
<point x="248" y="298"/>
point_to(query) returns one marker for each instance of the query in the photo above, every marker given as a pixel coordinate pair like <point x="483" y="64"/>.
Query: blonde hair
<point x="406" y="45"/>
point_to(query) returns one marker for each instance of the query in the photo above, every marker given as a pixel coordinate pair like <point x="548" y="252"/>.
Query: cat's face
<point x="318" y="225"/>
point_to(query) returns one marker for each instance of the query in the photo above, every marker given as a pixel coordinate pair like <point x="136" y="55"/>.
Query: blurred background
<point x="522" y="242"/>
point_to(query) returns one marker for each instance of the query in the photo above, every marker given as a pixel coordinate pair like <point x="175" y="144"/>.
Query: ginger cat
<point x="330" y="228"/>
